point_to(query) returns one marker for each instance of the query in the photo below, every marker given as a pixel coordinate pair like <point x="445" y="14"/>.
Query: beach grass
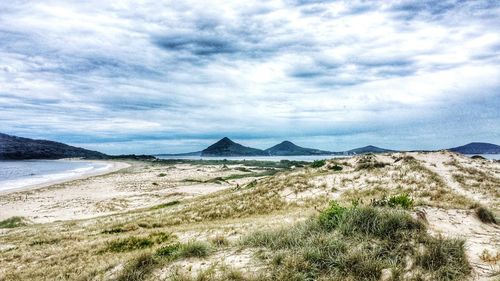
<point x="281" y="226"/>
<point x="13" y="222"/>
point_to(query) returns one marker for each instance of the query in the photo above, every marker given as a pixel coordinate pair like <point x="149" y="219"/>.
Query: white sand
<point x="103" y="193"/>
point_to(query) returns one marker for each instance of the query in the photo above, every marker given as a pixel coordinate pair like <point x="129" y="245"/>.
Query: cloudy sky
<point x="174" y="76"/>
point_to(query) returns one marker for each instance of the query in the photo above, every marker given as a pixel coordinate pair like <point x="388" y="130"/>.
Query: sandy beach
<point x="120" y="187"/>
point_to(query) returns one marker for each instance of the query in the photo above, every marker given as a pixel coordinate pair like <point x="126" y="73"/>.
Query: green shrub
<point x="402" y="200"/>
<point x="134" y="243"/>
<point x="161" y="175"/>
<point x="168" y="251"/>
<point x="331" y="217"/>
<point x="13" y="222"/>
<point x="485" y="215"/>
<point x="318" y="163"/>
<point x="185" y="250"/>
<point x="129" y="244"/>
<point x="194" y="249"/>
<point x="336" y="167"/>
<point x="363" y="242"/>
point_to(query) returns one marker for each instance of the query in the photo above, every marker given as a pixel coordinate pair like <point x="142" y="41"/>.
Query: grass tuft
<point x="135" y="243"/>
<point x="138" y="268"/>
<point x="485" y="215"/>
<point x="358" y="243"/>
<point x="445" y="258"/>
<point x="13" y="222"/>
<point x="184" y="250"/>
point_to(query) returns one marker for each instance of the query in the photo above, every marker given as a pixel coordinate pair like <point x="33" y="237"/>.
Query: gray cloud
<point x="130" y="77"/>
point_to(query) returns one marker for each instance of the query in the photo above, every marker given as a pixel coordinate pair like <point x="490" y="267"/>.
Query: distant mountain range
<point x="17" y="148"/>
<point x="227" y="148"/>
<point x="477" y="148"/>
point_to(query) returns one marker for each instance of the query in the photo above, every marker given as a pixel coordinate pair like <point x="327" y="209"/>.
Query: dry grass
<point x="126" y="246"/>
<point x="359" y="243"/>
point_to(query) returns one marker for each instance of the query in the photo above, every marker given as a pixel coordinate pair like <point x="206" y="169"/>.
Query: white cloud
<point x="260" y="70"/>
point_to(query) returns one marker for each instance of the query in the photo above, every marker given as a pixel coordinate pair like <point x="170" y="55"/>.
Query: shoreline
<point x="110" y="167"/>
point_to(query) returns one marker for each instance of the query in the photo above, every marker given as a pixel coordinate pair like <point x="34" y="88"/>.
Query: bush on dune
<point x="13" y="222"/>
<point x="318" y="163"/>
<point x="358" y="243"/>
<point x="402" y="200"/>
<point x="485" y="215"/>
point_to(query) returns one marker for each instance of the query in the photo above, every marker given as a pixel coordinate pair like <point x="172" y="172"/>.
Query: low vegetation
<point x="185" y="250"/>
<point x="400" y="200"/>
<point x="485" y="215"/>
<point x="138" y="268"/>
<point x="13" y="222"/>
<point x="165" y="205"/>
<point x="359" y="243"/>
<point x="369" y="233"/>
<point x="368" y="162"/>
<point x="131" y="243"/>
<point x="318" y="163"/>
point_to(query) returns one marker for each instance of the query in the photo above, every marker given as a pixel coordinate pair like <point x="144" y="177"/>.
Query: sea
<point x="487" y="156"/>
<point x="307" y="158"/>
<point x="18" y="174"/>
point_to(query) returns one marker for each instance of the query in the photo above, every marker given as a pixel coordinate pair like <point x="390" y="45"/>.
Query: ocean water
<point x="308" y="158"/>
<point x="16" y="174"/>
<point x="487" y="156"/>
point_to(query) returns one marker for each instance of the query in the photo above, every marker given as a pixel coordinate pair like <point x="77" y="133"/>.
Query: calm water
<point x="294" y="158"/>
<point x="308" y="158"/>
<point x="487" y="156"/>
<point x="15" y="174"/>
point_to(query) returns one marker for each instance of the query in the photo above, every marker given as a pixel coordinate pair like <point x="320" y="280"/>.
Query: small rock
<point x="386" y="274"/>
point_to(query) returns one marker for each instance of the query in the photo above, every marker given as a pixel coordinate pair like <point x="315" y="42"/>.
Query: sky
<point x="175" y="76"/>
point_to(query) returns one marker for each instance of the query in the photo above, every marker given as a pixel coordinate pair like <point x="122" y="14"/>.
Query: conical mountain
<point x="368" y="149"/>
<point x="227" y="147"/>
<point x="288" y="148"/>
